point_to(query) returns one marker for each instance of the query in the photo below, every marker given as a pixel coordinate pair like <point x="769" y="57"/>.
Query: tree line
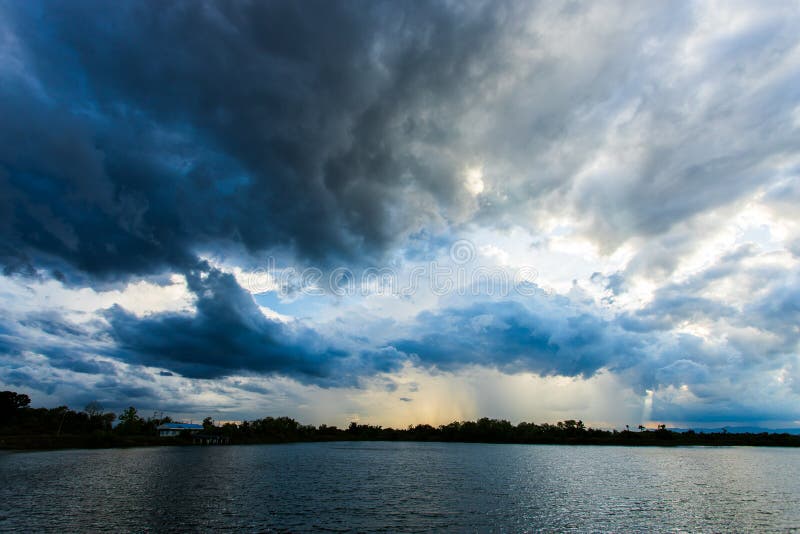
<point x="25" y="427"/>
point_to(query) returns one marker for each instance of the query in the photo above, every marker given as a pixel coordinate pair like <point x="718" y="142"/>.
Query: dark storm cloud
<point x="513" y="338"/>
<point x="138" y="135"/>
<point x="228" y="334"/>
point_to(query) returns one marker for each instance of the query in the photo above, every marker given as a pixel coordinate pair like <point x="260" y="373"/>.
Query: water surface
<point x="401" y="487"/>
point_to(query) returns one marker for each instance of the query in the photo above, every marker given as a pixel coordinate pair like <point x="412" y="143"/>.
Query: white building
<point x="174" y="429"/>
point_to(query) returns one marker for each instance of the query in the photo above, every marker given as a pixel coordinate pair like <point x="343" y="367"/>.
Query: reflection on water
<point x="401" y="487"/>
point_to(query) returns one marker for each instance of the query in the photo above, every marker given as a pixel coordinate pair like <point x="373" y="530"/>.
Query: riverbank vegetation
<point x="22" y="427"/>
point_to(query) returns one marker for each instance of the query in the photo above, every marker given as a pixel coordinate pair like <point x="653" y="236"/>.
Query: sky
<point x="403" y="212"/>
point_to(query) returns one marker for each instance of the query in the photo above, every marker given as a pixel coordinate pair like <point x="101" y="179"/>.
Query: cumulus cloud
<point x="226" y="333"/>
<point x="514" y="338"/>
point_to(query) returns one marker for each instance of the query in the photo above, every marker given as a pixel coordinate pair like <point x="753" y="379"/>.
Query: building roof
<point x="180" y="426"/>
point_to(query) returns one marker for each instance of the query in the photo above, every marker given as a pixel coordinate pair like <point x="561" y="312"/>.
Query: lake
<point x="401" y="487"/>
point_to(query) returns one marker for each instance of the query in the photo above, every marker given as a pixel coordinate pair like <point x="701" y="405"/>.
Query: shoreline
<point x="52" y="443"/>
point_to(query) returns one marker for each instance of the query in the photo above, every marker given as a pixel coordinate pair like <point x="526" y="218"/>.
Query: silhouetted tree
<point x="88" y="428"/>
<point x="129" y="421"/>
<point x="63" y="410"/>
<point x="93" y="409"/>
<point x="11" y="403"/>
